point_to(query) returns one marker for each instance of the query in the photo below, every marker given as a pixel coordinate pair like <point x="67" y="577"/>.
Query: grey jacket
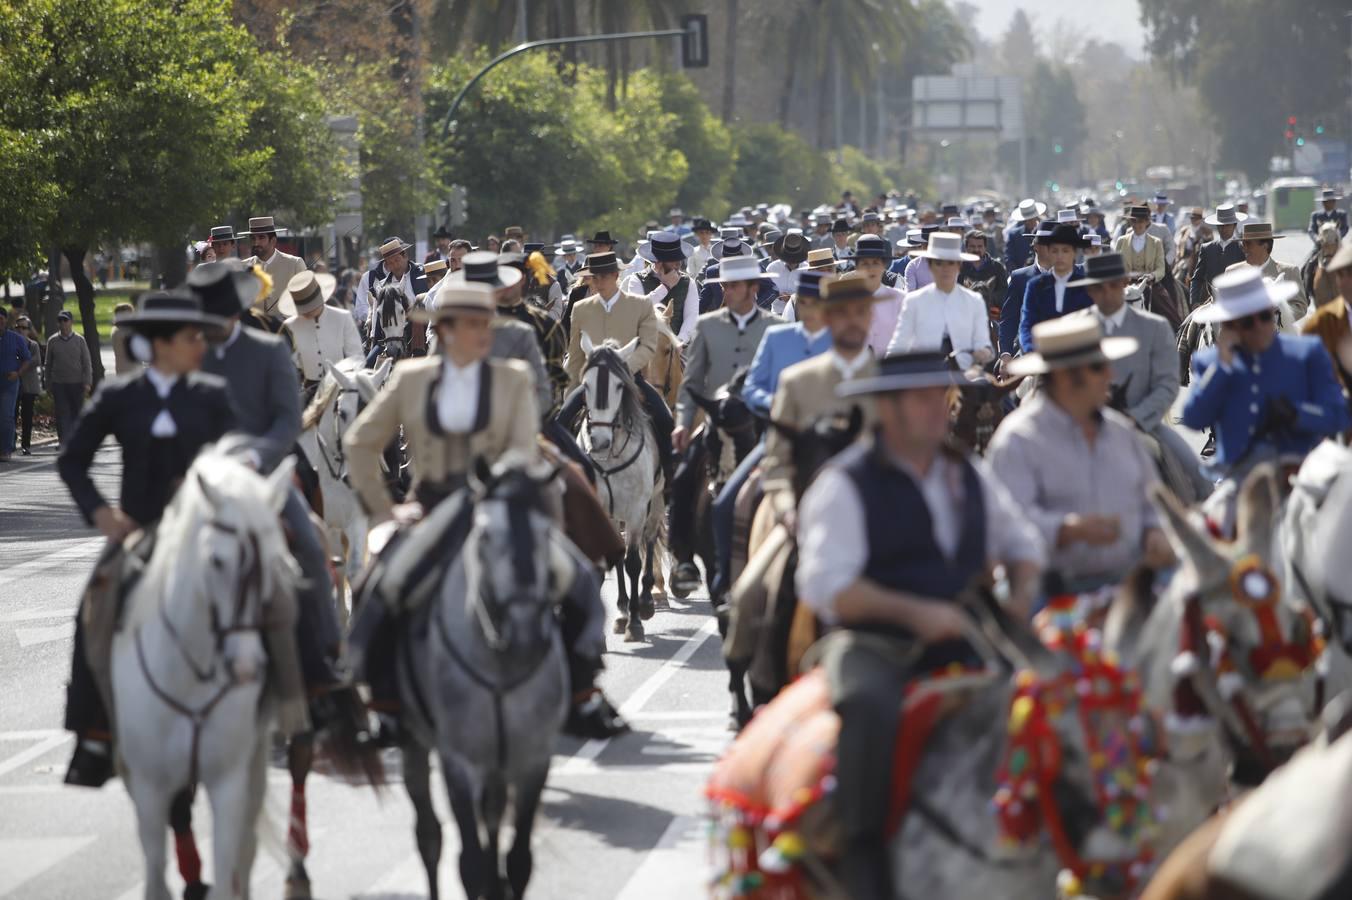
<point x="717" y="350"/>
<point x="516" y="340"/>
<point x="1151" y="373"/>
<point x="264" y="388"/>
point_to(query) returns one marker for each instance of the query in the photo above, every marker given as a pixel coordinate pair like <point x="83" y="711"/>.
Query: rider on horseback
<point x="319" y="332"/>
<point x="161" y="417"/>
<point x="455" y="407"/>
<point x="890" y="533"/>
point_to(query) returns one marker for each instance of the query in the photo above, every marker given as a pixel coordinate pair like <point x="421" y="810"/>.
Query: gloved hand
<point x="1280" y="415"/>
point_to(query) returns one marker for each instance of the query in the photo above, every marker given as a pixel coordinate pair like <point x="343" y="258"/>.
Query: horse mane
<point x="633" y="412"/>
<point x="328" y="389"/>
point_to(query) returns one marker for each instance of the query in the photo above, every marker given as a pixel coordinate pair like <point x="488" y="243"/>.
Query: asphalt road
<point x="621" y="819"/>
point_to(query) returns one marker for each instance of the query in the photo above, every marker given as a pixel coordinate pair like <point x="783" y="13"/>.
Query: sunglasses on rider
<point x="1266" y="316"/>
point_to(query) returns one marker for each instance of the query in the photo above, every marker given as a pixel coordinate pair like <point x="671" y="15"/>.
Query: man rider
<point x="890" y="533"/>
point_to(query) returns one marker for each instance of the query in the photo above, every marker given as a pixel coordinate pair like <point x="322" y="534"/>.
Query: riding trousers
<point x="317" y="632"/>
<point x="725" y="512"/>
<point x="663" y="424"/>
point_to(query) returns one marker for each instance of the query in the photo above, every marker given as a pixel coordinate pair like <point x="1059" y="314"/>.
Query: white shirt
<point x="164" y="425"/>
<point x="833" y="531"/>
<point x="1060" y="285"/>
<point x="886" y="312"/>
<point x="1111" y="323"/>
<point x="929" y="315"/>
<point x="742" y="320"/>
<point x="225" y="344"/>
<point x="1138" y="242"/>
<point x="608" y="303"/>
<point x="331" y="337"/>
<point x="848" y="368"/>
<point x="458" y="396"/>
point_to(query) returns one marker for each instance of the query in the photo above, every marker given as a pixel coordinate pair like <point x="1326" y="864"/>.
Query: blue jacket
<point x="1235" y="402"/>
<point x="1011" y="310"/>
<point x="1018" y="246"/>
<point x="1039" y="303"/>
<point x="781" y="346"/>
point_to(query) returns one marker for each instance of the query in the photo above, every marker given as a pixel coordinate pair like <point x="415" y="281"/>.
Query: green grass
<point x="104" y="301"/>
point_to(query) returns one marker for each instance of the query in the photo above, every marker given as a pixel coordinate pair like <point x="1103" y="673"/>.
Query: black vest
<point x="675" y="299"/>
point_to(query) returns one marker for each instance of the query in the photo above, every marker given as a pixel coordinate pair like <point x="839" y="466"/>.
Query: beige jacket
<point x="1150" y="260"/>
<point x="1275" y="271"/>
<point x="630" y="317"/>
<point x="806" y="392"/>
<point x="281" y="268"/>
<point x="507" y="420"/>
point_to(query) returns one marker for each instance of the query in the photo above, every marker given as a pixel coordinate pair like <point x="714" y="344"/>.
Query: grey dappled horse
<point x="618" y="437"/>
<point x="483" y="682"/>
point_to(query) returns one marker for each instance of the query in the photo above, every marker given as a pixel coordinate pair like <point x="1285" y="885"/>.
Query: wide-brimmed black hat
<point x="441" y="232"/>
<point x="1138" y="212"/>
<point x="841" y="226"/>
<point x="484" y="267"/>
<point x="1064" y="233"/>
<point x="176" y="307"/>
<point x="1101" y="269"/>
<point x="603" y="263"/>
<point x="792" y="247"/>
<point x="225" y="288"/>
<point x="601" y="237"/>
<point x="902" y="372"/>
<point x="702" y="225"/>
<point x="871" y="246"/>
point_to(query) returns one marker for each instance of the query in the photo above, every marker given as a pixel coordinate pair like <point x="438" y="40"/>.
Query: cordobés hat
<point x="601" y="237"/>
<point x="310" y="290"/>
<point x="1031" y="209"/>
<point x="392" y="246"/>
<point x="1243" y="292"/>
<point x="667" y="246"/>
<point x="808" y="282"/>
<point x="1070" y="341"/>
<point x="871" y="246"/>
<point x="851" y="286"/>
<point x="792" y="247"/>
<point x="261" y="225"/>
<point x="224" y="288"/>
<point x="222" y="233"/>
<point x="1226" y="214"/>
<point x="483" y="267"/>
<point x="1330" y="194"/>
<point x="1138" y="212"/>
<point x="1258" y="231"/>
<point x="1100" y="269"/>
<point x="702" y="225"/>
<point x="841" y="226"/>
<point x="729" y="246"/>
<point x="603" y="264"/>
<point x="471" y="297"/>
<point x="176" y="307"/>
<point x="1062" y="234"/>
<point x="945" y="245"/>
<point x="902" y="372"/>
<point x="738" y="268"/>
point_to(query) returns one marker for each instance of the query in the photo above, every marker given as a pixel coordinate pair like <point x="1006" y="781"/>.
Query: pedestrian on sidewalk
<point x="30" y="385"/>
<point x="67" y="374"/>
<point x="14" y="361"/>
<point x="123" y="362"/>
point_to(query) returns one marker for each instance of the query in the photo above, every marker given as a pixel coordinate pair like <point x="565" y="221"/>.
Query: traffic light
<point x="1319" y="129"/>
<point x="1300" y="142"/>
<point x="695" y="41"/>
<point x="1056" y="148"/>
<point x="1291" y="120"/>
<point x="1290" y="134"/>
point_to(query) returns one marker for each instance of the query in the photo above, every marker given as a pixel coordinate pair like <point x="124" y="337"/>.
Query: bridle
<point x="250" y="584"/>
<point x="604" y="373"/>
<point x="336" y="464"/>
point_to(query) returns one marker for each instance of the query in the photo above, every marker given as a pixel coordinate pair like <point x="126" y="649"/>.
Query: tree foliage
<point x="774" y="166"/>
<point x="1055" y="119"/>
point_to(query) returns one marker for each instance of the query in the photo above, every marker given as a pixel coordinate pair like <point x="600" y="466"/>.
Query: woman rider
<point x="161" y="417"/>
<point x="454" y="406"/>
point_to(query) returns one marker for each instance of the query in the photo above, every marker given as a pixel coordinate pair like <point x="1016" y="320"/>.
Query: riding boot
<point x="681" y="516"/>
<point x="725" y="512"/>
<point x="92" y="763"/>
<point x="582" y="630"/>
<point x="663" y="425"/>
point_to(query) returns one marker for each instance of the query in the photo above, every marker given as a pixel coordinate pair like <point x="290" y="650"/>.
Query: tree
<point x="706" y="144"/>
<point x="775" y="166"/>
<point x="26" y="185"/>
<point x="1056" y="121"/>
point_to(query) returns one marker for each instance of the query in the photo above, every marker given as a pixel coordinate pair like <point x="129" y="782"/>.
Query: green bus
<point x="1290" y="202"/>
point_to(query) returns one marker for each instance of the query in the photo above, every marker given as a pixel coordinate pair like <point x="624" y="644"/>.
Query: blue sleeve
<point x="758" y="390"/>
<point x="1011" y="310"/>
<point x="1326" y="411"/>
<point x="24" y="355"/>
<point x="1026" y="320"/>
<point x="1210" y="387"/>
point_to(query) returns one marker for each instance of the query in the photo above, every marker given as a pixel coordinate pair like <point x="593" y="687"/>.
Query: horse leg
<point x="493" y="803"/>
<point x="229" y="811"/>
<point x="152" y="817"/>
<point x="426" y="829"/>
<point x="646" y="607"/>
<point x="659" y="576"/>
<point x="185" y="845"/>
<point x="474" y="863"/>
<point x="299" y="758"/>
<point x="258" y="787"/>
<point x="526" y="801"/>
<point x="633" y="567"/>
<point x="741" y="706"/>
<point x="621" y="599"/>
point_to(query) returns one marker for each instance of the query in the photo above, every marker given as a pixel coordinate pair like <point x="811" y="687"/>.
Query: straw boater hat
<point x="821" y="259"/>
<point x="850" y="286"/>
<point x="738" y="268"/>
<point x="1243" y="292"/>
<point x="176" y="307"/>
<point x="1258" y="231"/>
<point x="392" y="246"/>
<point x="1226" y="214"/>
<point x="457" y="299"/>
<point x="435" y="266"/>
<point x="483" y="267"/>
<point x="308" y="291"/>
<point x="902" y="372"/>
<point x="946" y="246"/>
<point x="1070" y="341"/>
<point x="261" y="225"/>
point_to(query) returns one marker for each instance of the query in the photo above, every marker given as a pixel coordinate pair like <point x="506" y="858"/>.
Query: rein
<point x="336" y="466"/>
<point x="606" y="473"/>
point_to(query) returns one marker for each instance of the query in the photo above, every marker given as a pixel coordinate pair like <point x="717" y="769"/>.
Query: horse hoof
<point x="646" y="609"/>
<point x="297" y="889"/>
<point x="680" y="591"/>
<point x="634" y="633"/>
<point x="196" y="891"/>
<point x="621" y="624"/>
<point x="660" y="600"/>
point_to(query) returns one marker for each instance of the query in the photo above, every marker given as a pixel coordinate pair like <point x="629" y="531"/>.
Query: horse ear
<point x="587" y="346"/>
<point x="1197" y="547"/>
<point x="1257" y="516"/>
<point x="381" y="373"/>
<point x="628" y="349"/>
<point x="339" y="376"/>
<point x="213" y="496"/>
<point x="279" y="483"/>
<point x="332" y="371"/>
<point x="703" y="402"/>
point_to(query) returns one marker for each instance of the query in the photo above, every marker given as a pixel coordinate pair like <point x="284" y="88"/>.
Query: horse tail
<point x="345" y="740"/>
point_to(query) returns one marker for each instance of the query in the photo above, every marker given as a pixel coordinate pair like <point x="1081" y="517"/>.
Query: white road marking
<point x="666" y="870"/>
<point x="25" y="858"/>
<point x="45" y="745"/>
<point x="31" y="637"/>
<point x="84" y="550"/>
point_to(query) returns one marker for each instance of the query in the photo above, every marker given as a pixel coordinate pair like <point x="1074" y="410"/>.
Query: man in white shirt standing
<point x="281" y="267"/>
<point x="872" y="255"/>
<point x="319" y="334"/>
<point x="944" y="315"/>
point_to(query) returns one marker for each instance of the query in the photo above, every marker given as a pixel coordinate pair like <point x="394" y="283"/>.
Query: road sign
<point x="964" y="105"/>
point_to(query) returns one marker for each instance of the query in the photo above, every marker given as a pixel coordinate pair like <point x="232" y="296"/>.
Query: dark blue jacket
<point x="1011" y="310"/>
<point x="1018" y="246"/>
<point x="1235" y="402"/>
<point x="1039" y="303"/>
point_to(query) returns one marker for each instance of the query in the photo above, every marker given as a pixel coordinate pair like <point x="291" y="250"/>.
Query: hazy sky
<point x="1115" y="20"/>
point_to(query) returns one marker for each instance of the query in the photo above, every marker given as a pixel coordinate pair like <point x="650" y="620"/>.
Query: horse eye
<point x="217" y="563"/>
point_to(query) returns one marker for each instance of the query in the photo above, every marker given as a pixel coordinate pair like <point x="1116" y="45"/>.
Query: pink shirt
<point x="886" y="311"/>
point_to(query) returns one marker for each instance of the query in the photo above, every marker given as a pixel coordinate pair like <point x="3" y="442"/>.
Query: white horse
<point x="618" y="437"/>
<point x="188" y="666"/>
<point x="346" y="389"/>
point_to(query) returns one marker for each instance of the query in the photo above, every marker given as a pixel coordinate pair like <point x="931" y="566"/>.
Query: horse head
<point x="811" y="447"/>
<point x="510" y="558"/>
<point x="613" y="401"/>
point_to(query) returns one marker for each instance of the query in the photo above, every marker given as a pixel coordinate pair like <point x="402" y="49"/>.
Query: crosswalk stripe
<point x="24" y="858"/>
<point x="83" y="550"/>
